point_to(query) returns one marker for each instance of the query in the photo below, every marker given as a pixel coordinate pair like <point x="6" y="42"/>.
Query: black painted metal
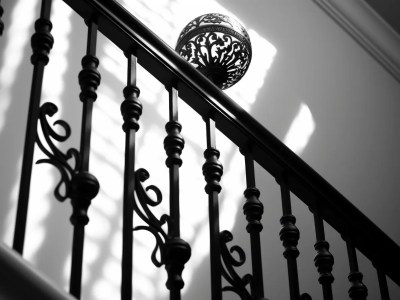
<point x="212" y="171"/>
<point x="170" y="250"/>
<point x="1" y="22"/>
<point x="42" y="42"/>
<point x="218" y="46"/>
<point x="131" y="110"/>
<point x="80" y="186"/>
<point x="237" y="284"/>
<point x="217" y="110"/>
<point x="383" y="286"/>
<point x="56" y="157"/>
<point x="119" y="26"/>
<point x="173" y="145"/>
<point x="177" y="251"/>
<point x="357" y="290"/>
<point x="84" y="186"/>
<point x="324" y="259"/>
<point x="173" y="251"/>
<point x="154" y="224"/>
<point x="289" y="235"/>
<point x="253" y="210"/>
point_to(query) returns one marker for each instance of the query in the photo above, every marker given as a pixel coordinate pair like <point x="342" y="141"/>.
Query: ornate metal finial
<point x="218" y="46"/>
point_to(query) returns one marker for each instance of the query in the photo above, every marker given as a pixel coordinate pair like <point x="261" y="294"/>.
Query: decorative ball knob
<point x="218" y="46"/>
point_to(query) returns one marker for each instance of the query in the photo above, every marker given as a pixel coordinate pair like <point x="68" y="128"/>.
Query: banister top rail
<point x="130" y="35"/>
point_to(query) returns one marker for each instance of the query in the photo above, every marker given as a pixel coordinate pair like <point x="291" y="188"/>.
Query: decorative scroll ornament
<point x="144" y="212"/>
<point x="173" y="251"/>
<point x="237" y="284"/>
<point x="55" y="156"/>
<point x="218" y="46"/>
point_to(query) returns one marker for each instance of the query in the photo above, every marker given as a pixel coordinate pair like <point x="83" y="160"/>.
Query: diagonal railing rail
<point x="131" y="36"/>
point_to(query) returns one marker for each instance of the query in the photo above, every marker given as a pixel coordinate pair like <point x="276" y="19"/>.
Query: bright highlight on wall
<point x="300" y="130"/>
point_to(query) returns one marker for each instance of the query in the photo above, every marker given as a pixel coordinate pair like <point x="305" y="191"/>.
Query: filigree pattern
<point x="213" y="19"/>
<point x="143" y="211"/>
<point x="218" y="56"/>
<point x="55" y="156"/>
<point x="237" y="284"/>
<point x="217" y="46"/>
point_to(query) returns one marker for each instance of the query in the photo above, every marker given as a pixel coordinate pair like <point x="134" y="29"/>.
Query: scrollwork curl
<point x="238" y="284"/>
<point x="141" y="207"/>
<point x="56" y="157"/>
<point x="222" y="54"/>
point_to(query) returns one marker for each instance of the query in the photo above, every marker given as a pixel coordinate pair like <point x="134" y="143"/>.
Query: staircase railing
<point x="256" y="143"/>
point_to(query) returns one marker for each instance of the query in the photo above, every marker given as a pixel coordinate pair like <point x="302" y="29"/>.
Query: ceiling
<point x="389" y="10"/>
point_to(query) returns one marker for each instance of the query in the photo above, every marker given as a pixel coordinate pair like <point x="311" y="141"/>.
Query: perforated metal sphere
<point x="218" y="46"/>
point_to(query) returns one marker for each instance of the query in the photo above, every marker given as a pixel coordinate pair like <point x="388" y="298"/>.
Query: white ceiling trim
<point x="368" y="29"/>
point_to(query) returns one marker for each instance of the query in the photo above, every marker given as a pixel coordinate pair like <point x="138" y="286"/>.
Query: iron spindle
<point x="131" y="110"/>
<point x="173" y="251"/>
<point x="357" y="290"/>
<point x="173" y="145"/>
<point x="253" y="210"/>
<point x="383" y="286"/>
<point x="289" y="236"/>
<point x="212" y="171"/>
<point x="42" y="42"/>
<point x="84" y="186"/>
<point x="177" y="251"/>
<point x="324" y="259"/>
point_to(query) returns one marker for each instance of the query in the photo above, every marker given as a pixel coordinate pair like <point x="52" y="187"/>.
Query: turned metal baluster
<point x="131" y="110"/>
<point x="177" y="252"/>
<point x="383" y="286"/>
<point x="357" y="290"/>
<point x="42" y="42"/>
<point x="84" y="186"/>
<point x="212" y="171"/>
<point x="324" y="259"/>
<point x="289" y="236"/>
<point x="254" y="209"/>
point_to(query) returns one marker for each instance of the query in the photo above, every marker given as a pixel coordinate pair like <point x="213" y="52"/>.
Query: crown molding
<point x="366" y="27"/>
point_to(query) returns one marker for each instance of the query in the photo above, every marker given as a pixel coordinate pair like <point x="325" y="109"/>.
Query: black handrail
<point x="130" y="35"/>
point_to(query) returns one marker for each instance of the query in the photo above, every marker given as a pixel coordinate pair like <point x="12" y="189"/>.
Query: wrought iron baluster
<point x="383" y="286"/>
<point x="212" y="171"/>
<point x="177" y="251"/>
<point x="173" y="251"/>
<point x="324" y="259"/>
<point x="357" y="290"/>
<point x="170" y="250"/>
<point x="42" y="42"/>
<point x="289" y="236"/>
<point x="253" y="210"/>
<point x="131" y="110"/>
<point x="84" y="186"/>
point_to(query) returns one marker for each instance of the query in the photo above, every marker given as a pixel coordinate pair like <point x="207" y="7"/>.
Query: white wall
<point x="302" y="59"/>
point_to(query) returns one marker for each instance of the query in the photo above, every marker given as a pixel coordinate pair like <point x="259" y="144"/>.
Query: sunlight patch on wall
<point x="301" y="130"/>
<point x="16" y="36"/>
<point x="39" y="208"/>
<point x="246" y="90"/>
